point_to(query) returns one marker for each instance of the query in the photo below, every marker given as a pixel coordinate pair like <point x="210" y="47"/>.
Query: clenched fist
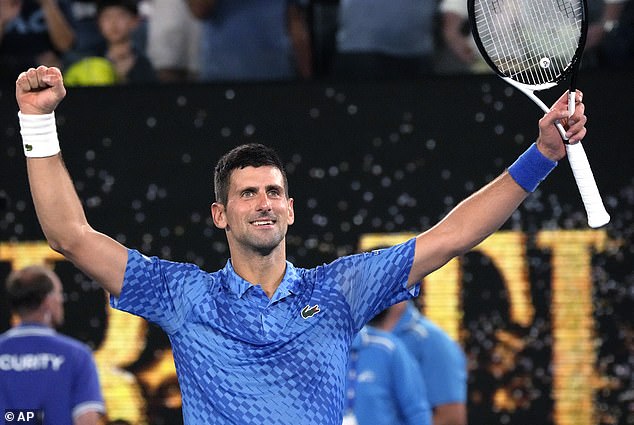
<point x="39" y="91"/>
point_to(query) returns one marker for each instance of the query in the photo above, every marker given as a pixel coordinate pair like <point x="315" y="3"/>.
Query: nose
<point x="264" y="203"/>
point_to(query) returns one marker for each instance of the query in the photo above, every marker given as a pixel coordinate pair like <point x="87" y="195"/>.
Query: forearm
<point x="201" y="9"/>
<point x="451" y="26"/>
<point x="67" y="231"/>
<point x="482" y="213"/>
<point x="57" y="205"/>
<point x="468" y="224"/>
<point x="60" y="31"/>
<point x="300" y="38"/>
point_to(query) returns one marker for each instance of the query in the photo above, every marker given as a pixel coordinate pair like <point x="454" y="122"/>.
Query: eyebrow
<point x="266" y="188"/>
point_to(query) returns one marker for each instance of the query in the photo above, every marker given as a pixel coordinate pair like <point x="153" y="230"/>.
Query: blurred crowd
<point x="106" y="42"/>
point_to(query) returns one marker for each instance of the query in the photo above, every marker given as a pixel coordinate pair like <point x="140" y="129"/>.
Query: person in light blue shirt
<point x="384" y="384"/>
<point x="261" y="341"/>
<point x="442" y="363"/>
<point x="39" y="368"/>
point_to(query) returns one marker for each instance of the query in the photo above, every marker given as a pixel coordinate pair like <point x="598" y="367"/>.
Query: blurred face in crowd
<point x="117" y="24"/>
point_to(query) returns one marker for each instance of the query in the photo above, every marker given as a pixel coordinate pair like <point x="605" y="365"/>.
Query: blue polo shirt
<point x="243" y="358"/>
<point x="441" y="359"/>
<point x="41" y="369"/>
<point x="385" y="385"/>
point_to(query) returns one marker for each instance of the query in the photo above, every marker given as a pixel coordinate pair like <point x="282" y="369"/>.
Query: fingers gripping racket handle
<point x="597" y="215"/>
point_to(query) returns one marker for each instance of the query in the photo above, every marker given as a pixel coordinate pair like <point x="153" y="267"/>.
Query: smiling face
<point x="257" y="212"/>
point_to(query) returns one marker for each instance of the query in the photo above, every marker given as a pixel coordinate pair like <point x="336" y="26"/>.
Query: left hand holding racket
<point x="549" y="141"/>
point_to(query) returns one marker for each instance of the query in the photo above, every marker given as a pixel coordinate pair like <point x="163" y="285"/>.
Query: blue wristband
<point x="531" y="168"/>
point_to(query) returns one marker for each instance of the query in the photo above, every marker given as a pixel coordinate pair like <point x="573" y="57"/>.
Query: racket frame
<point x="596" y="212"/>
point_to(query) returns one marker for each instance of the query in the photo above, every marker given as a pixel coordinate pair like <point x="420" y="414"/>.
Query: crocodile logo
<point x="309" y="311"/>
<point x="28" y="147"/>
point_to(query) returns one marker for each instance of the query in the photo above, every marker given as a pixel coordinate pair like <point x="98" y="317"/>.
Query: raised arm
<point x="58" y="208"/>
<point x="484" y="212"/>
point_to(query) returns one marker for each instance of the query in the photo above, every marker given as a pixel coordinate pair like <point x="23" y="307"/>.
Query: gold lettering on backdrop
<point x="574" y="356"/>
<point x="22" y="254"/>
<point x="123" y="344"/>
<point x="571" y="309"/>
<point x="572" y="320"/>
<point x="506" y="249"/>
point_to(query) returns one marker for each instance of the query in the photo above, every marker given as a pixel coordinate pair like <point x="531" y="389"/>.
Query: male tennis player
<point x="261" y="341"/>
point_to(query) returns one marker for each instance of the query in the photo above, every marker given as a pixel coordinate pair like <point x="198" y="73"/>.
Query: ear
<point x="218" y="215"/>
<point x="291" y="212"/>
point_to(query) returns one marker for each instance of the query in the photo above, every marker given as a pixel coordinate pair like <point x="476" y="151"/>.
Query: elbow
<point x="62" y="246"/>
<point x="69" y="243"/>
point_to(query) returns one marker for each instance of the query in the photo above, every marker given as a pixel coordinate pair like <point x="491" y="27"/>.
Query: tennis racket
<point x="533" y="45"/>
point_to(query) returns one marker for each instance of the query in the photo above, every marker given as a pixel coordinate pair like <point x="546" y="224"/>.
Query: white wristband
<point x="39" y="135"/>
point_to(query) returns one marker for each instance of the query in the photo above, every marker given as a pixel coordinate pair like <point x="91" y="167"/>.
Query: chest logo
<point x="310" y="311"/>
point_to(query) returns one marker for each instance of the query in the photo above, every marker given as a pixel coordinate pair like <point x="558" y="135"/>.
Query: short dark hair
<point x="129" y="5"/>
<point x="28" y="287"/>
<point x="248" y="155"/>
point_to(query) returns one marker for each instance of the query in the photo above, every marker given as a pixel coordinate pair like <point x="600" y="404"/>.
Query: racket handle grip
<point x="597" y="215"/>
<point x="571" y="102"/>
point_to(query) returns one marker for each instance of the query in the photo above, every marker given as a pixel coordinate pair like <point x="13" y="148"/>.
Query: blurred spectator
<point x="173" y="44"/>
<point x="253" y="40"/>
<point x="384" y="39"/>
<point x="610" y="39"/>
<point x="456" y="51"/>
<point x="442" y="362"/>
<point x="42" y="369"/>
<point x="384" y="384"/>
<point x="117" y="20"/>
<point x="89" y="41"/>
<point x="33" y="33"/>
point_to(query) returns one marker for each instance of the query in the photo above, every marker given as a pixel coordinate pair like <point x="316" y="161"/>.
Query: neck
<point x="123" y="47"/>
<point x="37" y="317"/>
<point x="393" y="316"/>
<point x="264" y="270"/>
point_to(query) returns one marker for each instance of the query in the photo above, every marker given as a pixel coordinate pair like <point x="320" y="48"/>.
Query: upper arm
<point x="433" y="249"/>
<point x="100" y="257"/>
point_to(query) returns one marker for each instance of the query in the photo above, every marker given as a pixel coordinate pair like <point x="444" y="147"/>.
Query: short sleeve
<point x="372" y="281"/>
<point x="86" y="395"/>
<point x="160" y="291"/>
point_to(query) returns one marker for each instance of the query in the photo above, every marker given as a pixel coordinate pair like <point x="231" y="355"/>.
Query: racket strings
<point x="533" y="42"/>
